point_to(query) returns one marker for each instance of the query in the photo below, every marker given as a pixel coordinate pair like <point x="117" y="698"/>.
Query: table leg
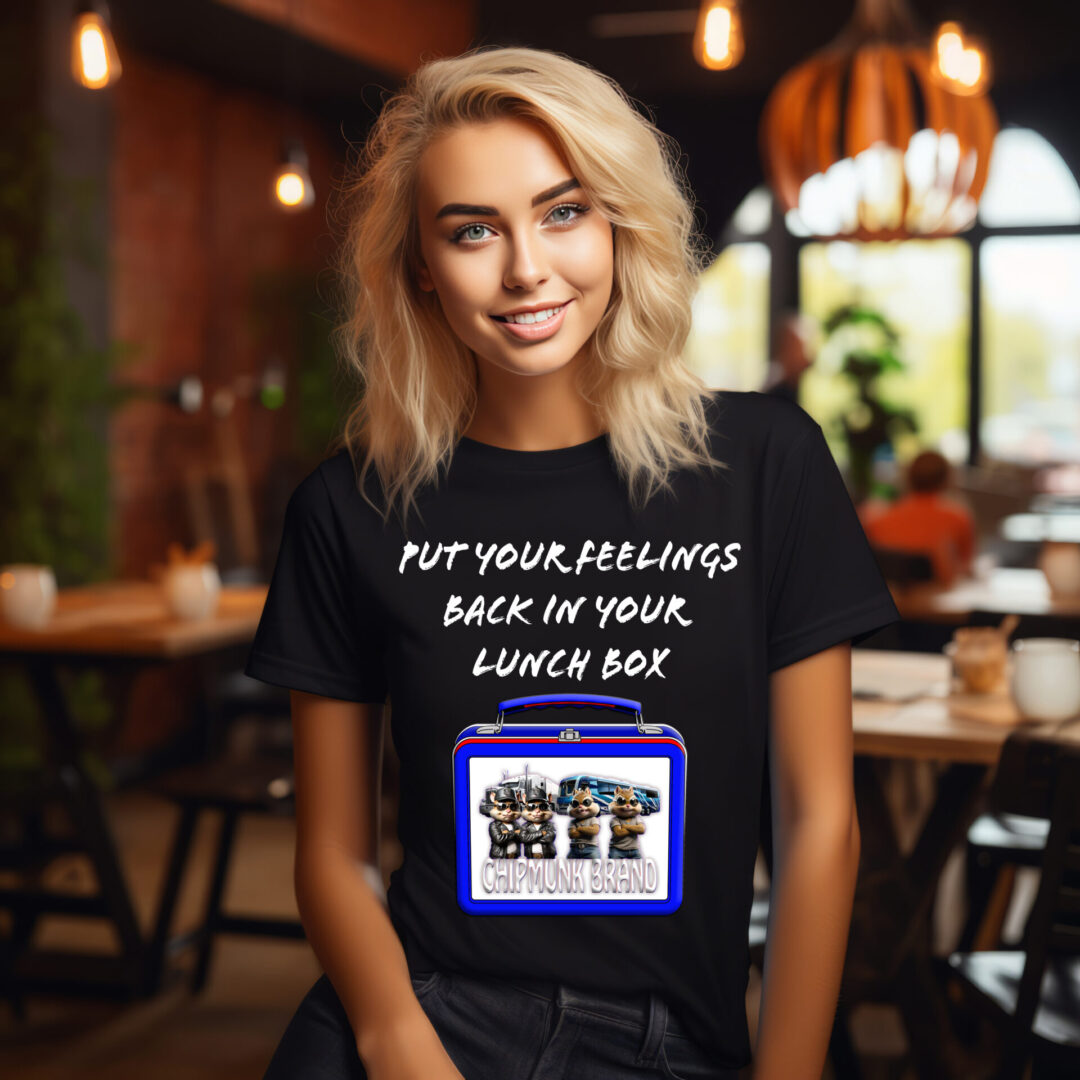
<point x="158" y="948"/>
<point x="87" y="815"/>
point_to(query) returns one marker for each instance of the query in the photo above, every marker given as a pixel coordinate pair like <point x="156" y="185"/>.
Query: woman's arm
<point x="336" y="749"/>
<point x="816" y="856"/>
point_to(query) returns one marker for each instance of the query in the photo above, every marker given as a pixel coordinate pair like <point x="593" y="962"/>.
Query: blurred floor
<point x="255" y="984"/>
<point x="228" y="1031"/>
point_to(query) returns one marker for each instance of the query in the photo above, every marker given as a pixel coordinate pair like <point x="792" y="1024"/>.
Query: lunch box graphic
<point x="576" y="807"/>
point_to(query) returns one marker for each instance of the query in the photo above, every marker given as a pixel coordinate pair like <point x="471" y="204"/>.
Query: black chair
<point x="1034" y="995"/>
<point x="261" y="785"/>
<point x="998" y="843"/>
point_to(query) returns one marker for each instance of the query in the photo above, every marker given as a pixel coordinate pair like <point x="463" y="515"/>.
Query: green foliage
<point x="287" y="307"/>
<point x="871" y="350"/>
<point x="856" y="314"/>
<point x="55" y="393"/>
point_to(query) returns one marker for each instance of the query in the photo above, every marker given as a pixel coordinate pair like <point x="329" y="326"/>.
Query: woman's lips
<point x="535" y="331"/>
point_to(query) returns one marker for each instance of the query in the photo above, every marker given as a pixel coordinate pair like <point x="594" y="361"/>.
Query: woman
<point x="531" y="508"/>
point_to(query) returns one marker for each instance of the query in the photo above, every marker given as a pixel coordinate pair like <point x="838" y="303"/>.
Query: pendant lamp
<point x="865" y="141"/>
<point x="94" y="60"/>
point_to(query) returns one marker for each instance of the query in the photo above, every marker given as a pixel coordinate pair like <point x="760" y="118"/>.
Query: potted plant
<point x="868" y="345"/>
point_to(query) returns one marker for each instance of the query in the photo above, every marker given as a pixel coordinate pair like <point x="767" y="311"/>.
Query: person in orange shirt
<point x="927" y="521"/>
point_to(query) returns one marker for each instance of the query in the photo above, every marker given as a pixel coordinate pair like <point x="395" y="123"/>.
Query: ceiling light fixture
<point x="94" y="60"/>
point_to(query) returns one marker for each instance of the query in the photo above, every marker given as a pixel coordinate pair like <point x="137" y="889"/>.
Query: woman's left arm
<point x="815" y="861"/>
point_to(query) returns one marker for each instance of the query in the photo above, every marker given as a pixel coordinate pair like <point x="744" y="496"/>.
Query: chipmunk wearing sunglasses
<point x="538" y="832"/>
<point x="503" y="830"/>
<point x="625" y="827"/>
<point x="584" y="831"/>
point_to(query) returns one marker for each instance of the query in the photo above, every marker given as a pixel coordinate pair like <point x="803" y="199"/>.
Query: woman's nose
<point x="528" y="265"/>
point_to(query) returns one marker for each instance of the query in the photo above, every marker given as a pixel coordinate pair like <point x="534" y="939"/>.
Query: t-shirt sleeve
<point x="320" y="632"/>
<point x="824" y="585"/>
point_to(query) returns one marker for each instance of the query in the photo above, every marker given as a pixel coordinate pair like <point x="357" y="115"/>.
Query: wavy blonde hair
<point x="417" y="379"/>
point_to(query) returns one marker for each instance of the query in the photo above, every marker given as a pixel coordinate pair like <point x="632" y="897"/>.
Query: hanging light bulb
<point x="94" y="61"/>
<point x="718" y="39"/>
<point x="959" y="63"/>
<point x="292" y="183"/>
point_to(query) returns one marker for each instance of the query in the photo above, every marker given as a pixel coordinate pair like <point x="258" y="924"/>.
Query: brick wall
<point x="192" y="227"/>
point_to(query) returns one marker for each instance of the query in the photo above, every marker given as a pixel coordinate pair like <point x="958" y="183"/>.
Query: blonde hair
<point x="417" y="379"/>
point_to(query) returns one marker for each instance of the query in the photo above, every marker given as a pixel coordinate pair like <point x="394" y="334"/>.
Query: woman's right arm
<point x="336" y="750"/>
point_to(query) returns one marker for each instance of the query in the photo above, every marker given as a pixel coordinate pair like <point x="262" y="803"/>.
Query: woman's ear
<point x="423" y="278"/>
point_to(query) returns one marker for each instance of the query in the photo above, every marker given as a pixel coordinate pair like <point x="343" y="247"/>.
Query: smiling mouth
<point x="530" y="318"/>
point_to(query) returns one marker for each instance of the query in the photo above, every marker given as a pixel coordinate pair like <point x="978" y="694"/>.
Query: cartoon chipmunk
<point x="503" y="828"/>
<point x="625" y="827"/>
<point x="585" y="830"/>
<point x="538" y="832"/>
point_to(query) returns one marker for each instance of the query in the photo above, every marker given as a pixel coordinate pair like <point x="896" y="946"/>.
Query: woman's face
<point x="503" y="226"/>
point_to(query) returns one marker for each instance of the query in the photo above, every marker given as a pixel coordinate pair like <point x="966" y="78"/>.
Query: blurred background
<point x="889" y="188"/>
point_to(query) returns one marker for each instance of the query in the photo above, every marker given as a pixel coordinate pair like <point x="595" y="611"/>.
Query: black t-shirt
<point x="548" y="583"/>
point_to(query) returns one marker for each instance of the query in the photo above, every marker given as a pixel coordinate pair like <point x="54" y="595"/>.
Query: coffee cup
<point x="27" y="594"/>
<point x="1045" y="680"/>
<point x="192" y="589"/>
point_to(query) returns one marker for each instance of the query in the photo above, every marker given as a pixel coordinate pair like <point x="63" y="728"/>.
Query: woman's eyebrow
<point x="490" y="211"/>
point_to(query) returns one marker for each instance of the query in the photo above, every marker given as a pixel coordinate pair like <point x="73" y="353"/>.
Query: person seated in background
<point x="927" y="521"/>
<point x="791" y="358"/>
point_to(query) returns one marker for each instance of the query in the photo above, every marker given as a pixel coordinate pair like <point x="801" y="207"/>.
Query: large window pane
<point x="729" y="342"/>
<point x="1031" y="348"/>
<point x="922" y="287"/>
<point x="1028" y="183"/>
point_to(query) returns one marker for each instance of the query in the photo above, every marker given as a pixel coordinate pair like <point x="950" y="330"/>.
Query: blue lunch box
<point x="569" y="813"/>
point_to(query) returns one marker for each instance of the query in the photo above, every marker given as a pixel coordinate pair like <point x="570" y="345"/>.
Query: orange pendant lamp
<point x="866" y="140"/>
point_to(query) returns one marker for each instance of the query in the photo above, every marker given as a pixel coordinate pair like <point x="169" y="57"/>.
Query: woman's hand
<point x="408" y="1051"/>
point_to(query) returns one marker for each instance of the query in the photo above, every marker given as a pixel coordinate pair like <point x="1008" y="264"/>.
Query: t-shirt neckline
<point x="560" y="458"/>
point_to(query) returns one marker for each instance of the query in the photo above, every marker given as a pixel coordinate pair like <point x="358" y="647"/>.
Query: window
<point x="729" y="341"/>
<point x="1031" y="348"/>
<point x="1023" y="256"/>
<point x="922" y="287"/>
<point x="1028" y="183"/>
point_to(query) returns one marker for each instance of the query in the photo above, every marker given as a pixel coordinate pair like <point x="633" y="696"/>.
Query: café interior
<point x="890" y="191"/>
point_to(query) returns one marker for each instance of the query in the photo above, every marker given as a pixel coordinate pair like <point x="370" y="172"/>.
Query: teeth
<point x="533" y="316"/>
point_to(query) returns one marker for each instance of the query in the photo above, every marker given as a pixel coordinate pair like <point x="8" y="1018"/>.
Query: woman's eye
<point x="462" y="235"/>
<point x="576" y="212"/>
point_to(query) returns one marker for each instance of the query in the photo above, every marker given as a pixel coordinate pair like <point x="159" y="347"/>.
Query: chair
<point x="260" y="785"/>
<point x="221" y="508"/>
<point x="903" y="567"/>
<point x="1036" y="992"/>
<point x="998" y="843"/>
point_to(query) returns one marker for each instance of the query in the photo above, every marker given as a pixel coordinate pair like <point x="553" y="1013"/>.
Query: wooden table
<point x="889" y="958"/>
<point x="922" y="729"/>
<point x="1005" y="590"/>
<point x="130" y="620"/>
<point x="120" y="628"/>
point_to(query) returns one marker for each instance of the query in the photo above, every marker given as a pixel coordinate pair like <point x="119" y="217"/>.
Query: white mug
<point x="1046" y="677"/>
<point x="27" y="594"/>
<point x="192" y="590"/>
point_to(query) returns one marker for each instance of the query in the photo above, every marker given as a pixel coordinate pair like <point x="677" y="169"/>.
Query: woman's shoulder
<point x="764" y="424"/>
<point x="340" y="474"/>
<point x="330" y="487"/>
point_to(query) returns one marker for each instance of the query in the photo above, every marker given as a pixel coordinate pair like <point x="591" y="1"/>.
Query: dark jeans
<point x="497" y="1030"/>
